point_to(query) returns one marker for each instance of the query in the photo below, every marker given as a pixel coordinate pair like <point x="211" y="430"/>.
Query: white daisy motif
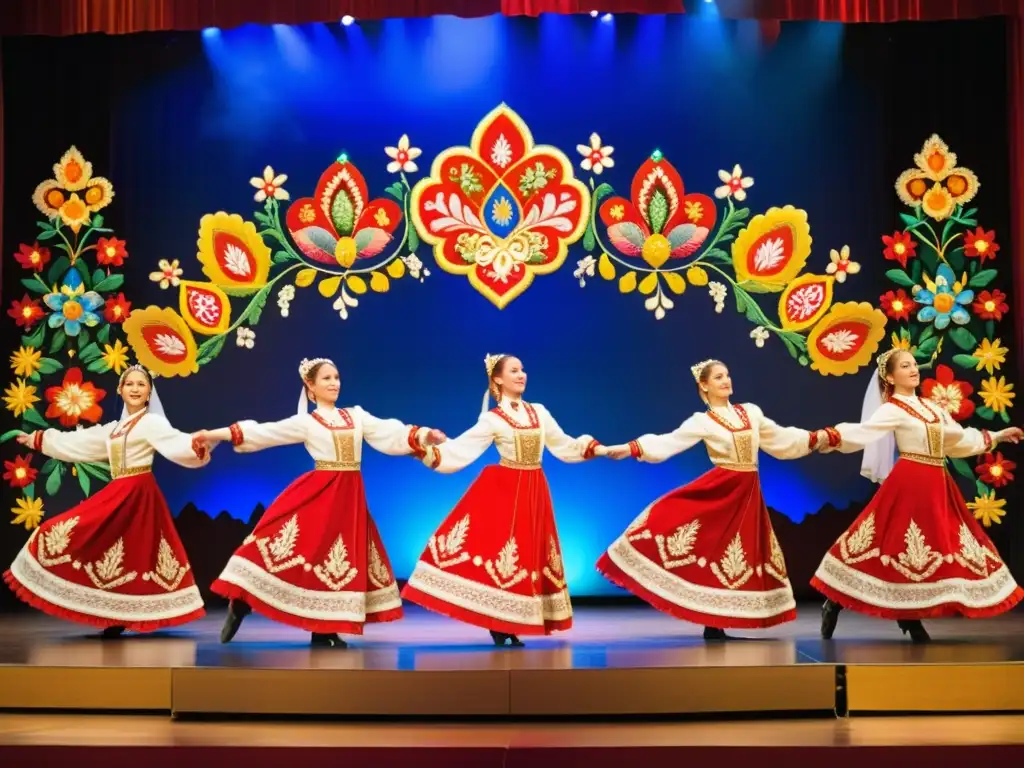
<point x="270" y="185"/>
<point x="501" y="152"/>
<point x="402" y="156"/>
<point x="416" y="269"/>
<point x="718" y="292"/>
<point x="245" y="337"/>
<point x="760" y="336"/>
<point x="584" y="269"/>
<point x="841" y="266"/>
<point x="595" y="157"/>
<point x="284" y="299"/>
<point x="169" y="274"/>
<point x="734" y="184"/>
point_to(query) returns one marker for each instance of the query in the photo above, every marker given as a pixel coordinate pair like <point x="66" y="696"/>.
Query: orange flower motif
<point x="75" y="400"/>
<point x="981" y="244"/>
<point x="33" y="256"/>
<point x="948" y="393"/>
<point x="501" y="210"/>
<point x="994" y="470"/>
<point x="111" y="251"/>
<point x="937" y="184"/>
<point x="20" y="472"/>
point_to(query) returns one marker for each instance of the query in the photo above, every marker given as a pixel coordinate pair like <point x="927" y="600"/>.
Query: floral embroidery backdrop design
<point x="70" y="317"/>
<point x="949" y="301"/>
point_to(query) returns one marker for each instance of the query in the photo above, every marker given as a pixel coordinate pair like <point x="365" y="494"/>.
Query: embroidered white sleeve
<point x="81" y="445"/>
<point x="256" y="436"/>
<point x="855" y="437"/>
<point x="778" y="441"/>
<point x="390" y="436"/>
<point x="171" y="443"/>
<point x="658" y="448"/>
<point x="571" y="450"/>
<point x="453" y="455"/>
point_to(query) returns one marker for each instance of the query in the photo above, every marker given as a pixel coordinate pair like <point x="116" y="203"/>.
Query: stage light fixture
<point x="607" y="17"/>
<point x="593" y="14"/>
<point x="347" y="20"/>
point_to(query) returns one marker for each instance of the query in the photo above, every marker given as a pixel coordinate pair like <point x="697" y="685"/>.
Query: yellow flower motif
<point x="841" y="265"/>
<point x="773" y="248"/>
<point x="991" y="355"/>
<point x="74" y="212"/>
<point x="987" y="508"/>
<point x="25" y="361"/>
<point x="898" y="342"/>
<point x="168" y="275"/>
<point x="997" y="394"/>
<point x="936" y="184"/>
<point x="501" y="212"/>
<point x="116" y="356"/>
<point x="162" y="341"/>
<point x="697" y="276"/>
<point x="98" y="194"/>
<point x="694" y="210"/>
<point x="937" y="202"/>
<point x="73" y="171"/>
<point x="232" y="253"/>
<point x="846" y="339"/>
<point x="28" y="512"/>
<point x="19" y="397"/>
<point x="617" y="212"/>
<point x="382" y="219"/>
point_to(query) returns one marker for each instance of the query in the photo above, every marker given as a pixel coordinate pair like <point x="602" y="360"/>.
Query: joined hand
<point x="436" y="437"/>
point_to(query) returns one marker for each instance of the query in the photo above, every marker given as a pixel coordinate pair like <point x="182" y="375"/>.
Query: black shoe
<point x="714" y="635"/>
<point x="329" y="640"/>
<point x="500" y="638"/>
<point x="237" y="611"/>
<point x="111" y="633"/>
<point x="829" y="616"/>
<point x="917" y="632"/>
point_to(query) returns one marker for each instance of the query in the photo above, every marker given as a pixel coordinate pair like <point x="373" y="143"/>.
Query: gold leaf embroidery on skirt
<point x="53" y="543"/>
<point x="854" y="546"/>
<point x="918" y="561"/>
<point x="447" y="549"/>
<point x="277" y="554"/>
<point x="776" y="567"/>
<point x="555" y="570"/>
<point x="335" y="571"/>
<point x="108" y="573"/>
<point x="633" y="532"/>
<point x="505" y="570"/>
<point x="168" y="572"/>
<point x="972" y="555"/>
<point x="733" y="570"/>
<point x="378" y="572"/>
<point x="676" y="550"/>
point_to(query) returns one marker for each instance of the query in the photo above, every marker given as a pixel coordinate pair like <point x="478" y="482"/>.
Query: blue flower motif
<point x="73" y="306"/>
<point x="944" y="300"/>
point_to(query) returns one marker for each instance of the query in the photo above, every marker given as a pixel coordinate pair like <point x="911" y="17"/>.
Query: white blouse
<point x="732" y="435"/>
<point x="333" y="436"/>
<point x="923" y="430"/>
<point x="520" y="431"/>
<point x="129" y="445"/>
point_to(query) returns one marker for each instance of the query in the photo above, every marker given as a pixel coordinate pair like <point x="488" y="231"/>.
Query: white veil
<point x="879" y="456"/>
<point x="303" y="407"/>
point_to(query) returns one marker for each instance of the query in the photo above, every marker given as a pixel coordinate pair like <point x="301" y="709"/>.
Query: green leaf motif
<point x="928" y="346"/>
<point x="915" y="271"/>
<point x="103" y="337"/>
<point x="964" y="339"/>
<point x="962" y="468"/>
<point x="98" y="470"/>
<point x="97" y="221"/>
<point x="83" y="480"/>
<point x="83" y="339"/>
<point x="965" y="361"/>
<point x="33" y="418"/>
<point x="209" y="349"/>
<point x="414" y="238"/>
<point x="908" y="219"/>
<point x="252" y="313"/>
<point x="35" y="286"/>
<point x="741" y="304"/>
<point x="927" y="333"/>
<point x="98" y="275"/>
<point x="9" y="434"/>
<point x="981" y="488"/>
<point x="30" y="491"/>
<point x="900" y="277"/>
<point x="57" y="269"/>
<point x="109" y="283"/>
<point x="54" y="480"/>
<point x="47" y="235"/>
<point x="343" y="215"/>
<point x="990" y="329"/>
<point x="35" y="339"/>
<point x="263" y="219"/>
<point x="983" y="278"/>
<point x="57" y="342"/>
<point x="657" y="211"/>
<point x="83" y="269"/>
<point x="1005" y="416"/>
<point x="48" y="465"/>
<point x="589" y="241"/>
<point x="790" y="347"/>
<point x="602" y="191"/>
<point x="90" y="352"/>
<point x="986" y="413"/>
<point x="282" y="256"/>
<point x="98" y="366"/>
<point x="48" y="365"/>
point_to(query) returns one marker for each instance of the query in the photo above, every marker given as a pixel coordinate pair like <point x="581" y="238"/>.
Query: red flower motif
<point x="32" y="256"/>
<point x="900" y="247"/>
<point x="994" y="470"/>
<point x="896" y="304"/>
<point x="117" y="309"/>
<point x="74" y="400"/>
<point x="991" y="306"/>
<point x="111" y="251"/>
<point x="981" y="244"/>
<point x="20" y="472"/>
<point x="948" y="393"/>
<point x="25" y="312"/>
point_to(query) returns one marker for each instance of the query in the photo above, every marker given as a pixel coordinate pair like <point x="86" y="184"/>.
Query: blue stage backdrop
<point x="187" y="120"/>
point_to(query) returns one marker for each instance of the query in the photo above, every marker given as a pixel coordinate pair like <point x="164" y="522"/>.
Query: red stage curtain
<point x="69" y="17"/>
<point x="851" y="11"/>
<point x="1015" y="106"/>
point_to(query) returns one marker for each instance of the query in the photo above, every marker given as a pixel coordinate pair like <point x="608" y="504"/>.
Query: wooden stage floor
<point x="623" y="661"/>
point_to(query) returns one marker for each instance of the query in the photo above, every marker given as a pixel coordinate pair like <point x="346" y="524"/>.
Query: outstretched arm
<point x="571" y="450"/>
<point x="251" y="436"/>
<point x="453" y="455"/>
<point x="852" y="436"/>
<point x="78" y="446"/>
<point x="655" y="449"/>
<point x="394" y="438"/>
<point x="961" y="442"/>
<point x="783" y="442"/>
<point x="181" y="448"/>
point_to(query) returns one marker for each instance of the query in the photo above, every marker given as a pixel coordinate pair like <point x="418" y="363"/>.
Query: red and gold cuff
<point x="237" y="438"/>
<point x="591" y="447"/>
<point x="635" y="450"/>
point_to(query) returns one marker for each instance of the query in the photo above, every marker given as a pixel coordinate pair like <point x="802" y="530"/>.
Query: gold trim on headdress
<point x="307" y="365"/>
<point x="882" y="360"/>
<point x="698" y="369"/>
<point x="129" y="369"/>
<point x="490" y="361"/>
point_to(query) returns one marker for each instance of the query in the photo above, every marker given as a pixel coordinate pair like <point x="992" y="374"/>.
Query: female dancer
<point x="315" y="559"/>
<point x="114" y="561"/>
<point x="706" y="552"/>
<point x="915" y="551"/>
<point x="495" y="562"/>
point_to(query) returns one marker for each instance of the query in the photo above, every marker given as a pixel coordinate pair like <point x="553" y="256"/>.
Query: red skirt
<point x="706" y="553"/>
<point x="916" y="552"/>
<point x="315" y="560"/>
<point x="495" y="562"/>
<point x="115" y="560"/>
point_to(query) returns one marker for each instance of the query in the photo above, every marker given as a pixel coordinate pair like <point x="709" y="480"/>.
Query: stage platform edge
<point x="518" y="692"/>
